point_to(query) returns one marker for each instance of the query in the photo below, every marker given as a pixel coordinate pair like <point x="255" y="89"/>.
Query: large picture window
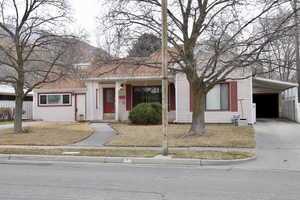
<point x="218" y="98"/>
<point x="54" y="99"/>
<point x="146" y="94"/>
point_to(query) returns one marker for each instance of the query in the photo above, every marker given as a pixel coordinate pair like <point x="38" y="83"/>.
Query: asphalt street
<point x="275" y="175"/>
<point x="61" y="181"/>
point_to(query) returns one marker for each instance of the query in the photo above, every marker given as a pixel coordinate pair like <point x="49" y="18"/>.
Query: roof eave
<point x="61" y="90"/>
<point x="128" y="78"/>
<point x="283" y="84"/>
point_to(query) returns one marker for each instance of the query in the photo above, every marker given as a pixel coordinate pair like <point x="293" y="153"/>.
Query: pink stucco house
<point x="109" y="92"/>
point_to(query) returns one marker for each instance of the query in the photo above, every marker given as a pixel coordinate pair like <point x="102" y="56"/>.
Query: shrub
<point x="146" y="113"/>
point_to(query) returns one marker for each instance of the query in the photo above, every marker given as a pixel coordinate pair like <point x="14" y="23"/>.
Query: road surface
<point x="62" y="181"/>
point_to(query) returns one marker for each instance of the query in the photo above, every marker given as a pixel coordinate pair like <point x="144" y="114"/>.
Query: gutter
<point x="62" y="90"/>
<point x="285" y="83"/>
<point x="128" y="78"/>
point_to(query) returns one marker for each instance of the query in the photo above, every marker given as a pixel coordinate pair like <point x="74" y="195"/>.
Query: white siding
<point x="53" y="113"/>
<point x="183" y="114"/>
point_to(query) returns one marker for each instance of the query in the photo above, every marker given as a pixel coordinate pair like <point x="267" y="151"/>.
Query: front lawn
<point x="11" y="122"/>
<point x="216" y="136"/>
<point x="6" y="122"/>
<point x="47" y="133"/>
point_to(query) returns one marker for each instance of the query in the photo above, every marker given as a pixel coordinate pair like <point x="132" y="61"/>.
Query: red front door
<point x="109" y="100"/>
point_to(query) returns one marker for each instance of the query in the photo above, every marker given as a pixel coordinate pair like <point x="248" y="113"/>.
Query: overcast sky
<point x="85" y="12"/>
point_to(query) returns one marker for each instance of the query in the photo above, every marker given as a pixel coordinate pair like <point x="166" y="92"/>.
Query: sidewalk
<point x="129" y="148"/>
<point x="71" y="154"/>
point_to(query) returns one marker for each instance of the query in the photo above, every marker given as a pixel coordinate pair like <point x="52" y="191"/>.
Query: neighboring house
<point x="7" y="100"/>
<point x="110" y="91"/>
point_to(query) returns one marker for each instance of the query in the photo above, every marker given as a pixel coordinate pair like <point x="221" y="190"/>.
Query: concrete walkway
<point x="102" y="134"/>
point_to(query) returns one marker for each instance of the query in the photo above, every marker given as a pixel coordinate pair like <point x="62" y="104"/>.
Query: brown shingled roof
<point x="128" y="67"/>
<point x="117" y="68"/>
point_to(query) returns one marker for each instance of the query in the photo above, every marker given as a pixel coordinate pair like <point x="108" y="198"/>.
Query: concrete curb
<point x="123" y="160"/>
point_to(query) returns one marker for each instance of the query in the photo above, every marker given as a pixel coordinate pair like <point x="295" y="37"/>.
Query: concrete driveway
<point x="278" y="145"/>
<point x="277" y="134"/>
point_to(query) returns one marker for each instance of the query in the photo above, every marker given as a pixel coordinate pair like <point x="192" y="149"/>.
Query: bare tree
<point x="222" y="30"/>
<point x="113" y="42"/>
<point x="32" y="44"/>
<point x="279" y="54"/>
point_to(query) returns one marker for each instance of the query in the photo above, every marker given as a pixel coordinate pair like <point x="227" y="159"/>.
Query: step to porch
<point x="104" y="121"/>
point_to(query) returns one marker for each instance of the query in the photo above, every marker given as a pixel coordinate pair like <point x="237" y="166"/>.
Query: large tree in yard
<point x="224" y="29"/>
<point x="32" y="43"/>
<point x="145" y="45"/>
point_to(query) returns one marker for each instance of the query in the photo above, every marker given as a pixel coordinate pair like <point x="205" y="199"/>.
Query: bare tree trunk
<point x="198" y="122"/>
<point x="18" y="109"/>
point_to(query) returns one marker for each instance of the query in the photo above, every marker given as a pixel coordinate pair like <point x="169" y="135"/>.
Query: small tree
<point x="223" y="28"/>
<point x="32" y="42"/>
<point x="145" y="45"/>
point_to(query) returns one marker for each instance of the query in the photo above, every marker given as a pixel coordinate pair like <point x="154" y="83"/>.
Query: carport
<point x="271" y="101"/>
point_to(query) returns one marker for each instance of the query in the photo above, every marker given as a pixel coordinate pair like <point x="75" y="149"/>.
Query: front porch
<point x="112" y="100"/>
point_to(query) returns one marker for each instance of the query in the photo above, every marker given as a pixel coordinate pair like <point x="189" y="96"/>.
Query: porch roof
<point x="272" y="84"/>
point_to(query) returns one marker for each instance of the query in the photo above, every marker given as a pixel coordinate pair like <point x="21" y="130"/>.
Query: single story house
<point x="109" y="92"/>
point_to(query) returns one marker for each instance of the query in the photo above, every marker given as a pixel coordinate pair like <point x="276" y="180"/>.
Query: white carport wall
<point x="290" y="101"/>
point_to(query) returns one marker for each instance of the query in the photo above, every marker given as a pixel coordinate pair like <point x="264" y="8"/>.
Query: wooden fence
<point x="27" y="107"/>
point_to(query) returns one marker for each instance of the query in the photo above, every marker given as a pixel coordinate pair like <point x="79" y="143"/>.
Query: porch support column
<point x="117" y="102"/>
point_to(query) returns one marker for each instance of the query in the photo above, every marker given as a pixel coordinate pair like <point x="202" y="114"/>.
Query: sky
<point x="85" y="13"/>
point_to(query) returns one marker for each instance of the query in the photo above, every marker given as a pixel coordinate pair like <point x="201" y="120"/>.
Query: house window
<point x="55" y="99"/>
<point x="110" y="96"/>
<point x="218" y="98"/>
<point x="147" y="94"/>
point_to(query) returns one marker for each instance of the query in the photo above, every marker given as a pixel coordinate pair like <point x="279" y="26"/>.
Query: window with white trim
<point x="218" y="97"/>
<point x="54" y="99"/>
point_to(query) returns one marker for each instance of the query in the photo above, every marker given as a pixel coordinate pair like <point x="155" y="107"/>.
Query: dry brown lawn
<point x="215" y="136"/>
<point x="5" y="122"/>
<point x="208" y="155"/>
<point x="47" y="133"/>
<point x="11" y="122"/>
